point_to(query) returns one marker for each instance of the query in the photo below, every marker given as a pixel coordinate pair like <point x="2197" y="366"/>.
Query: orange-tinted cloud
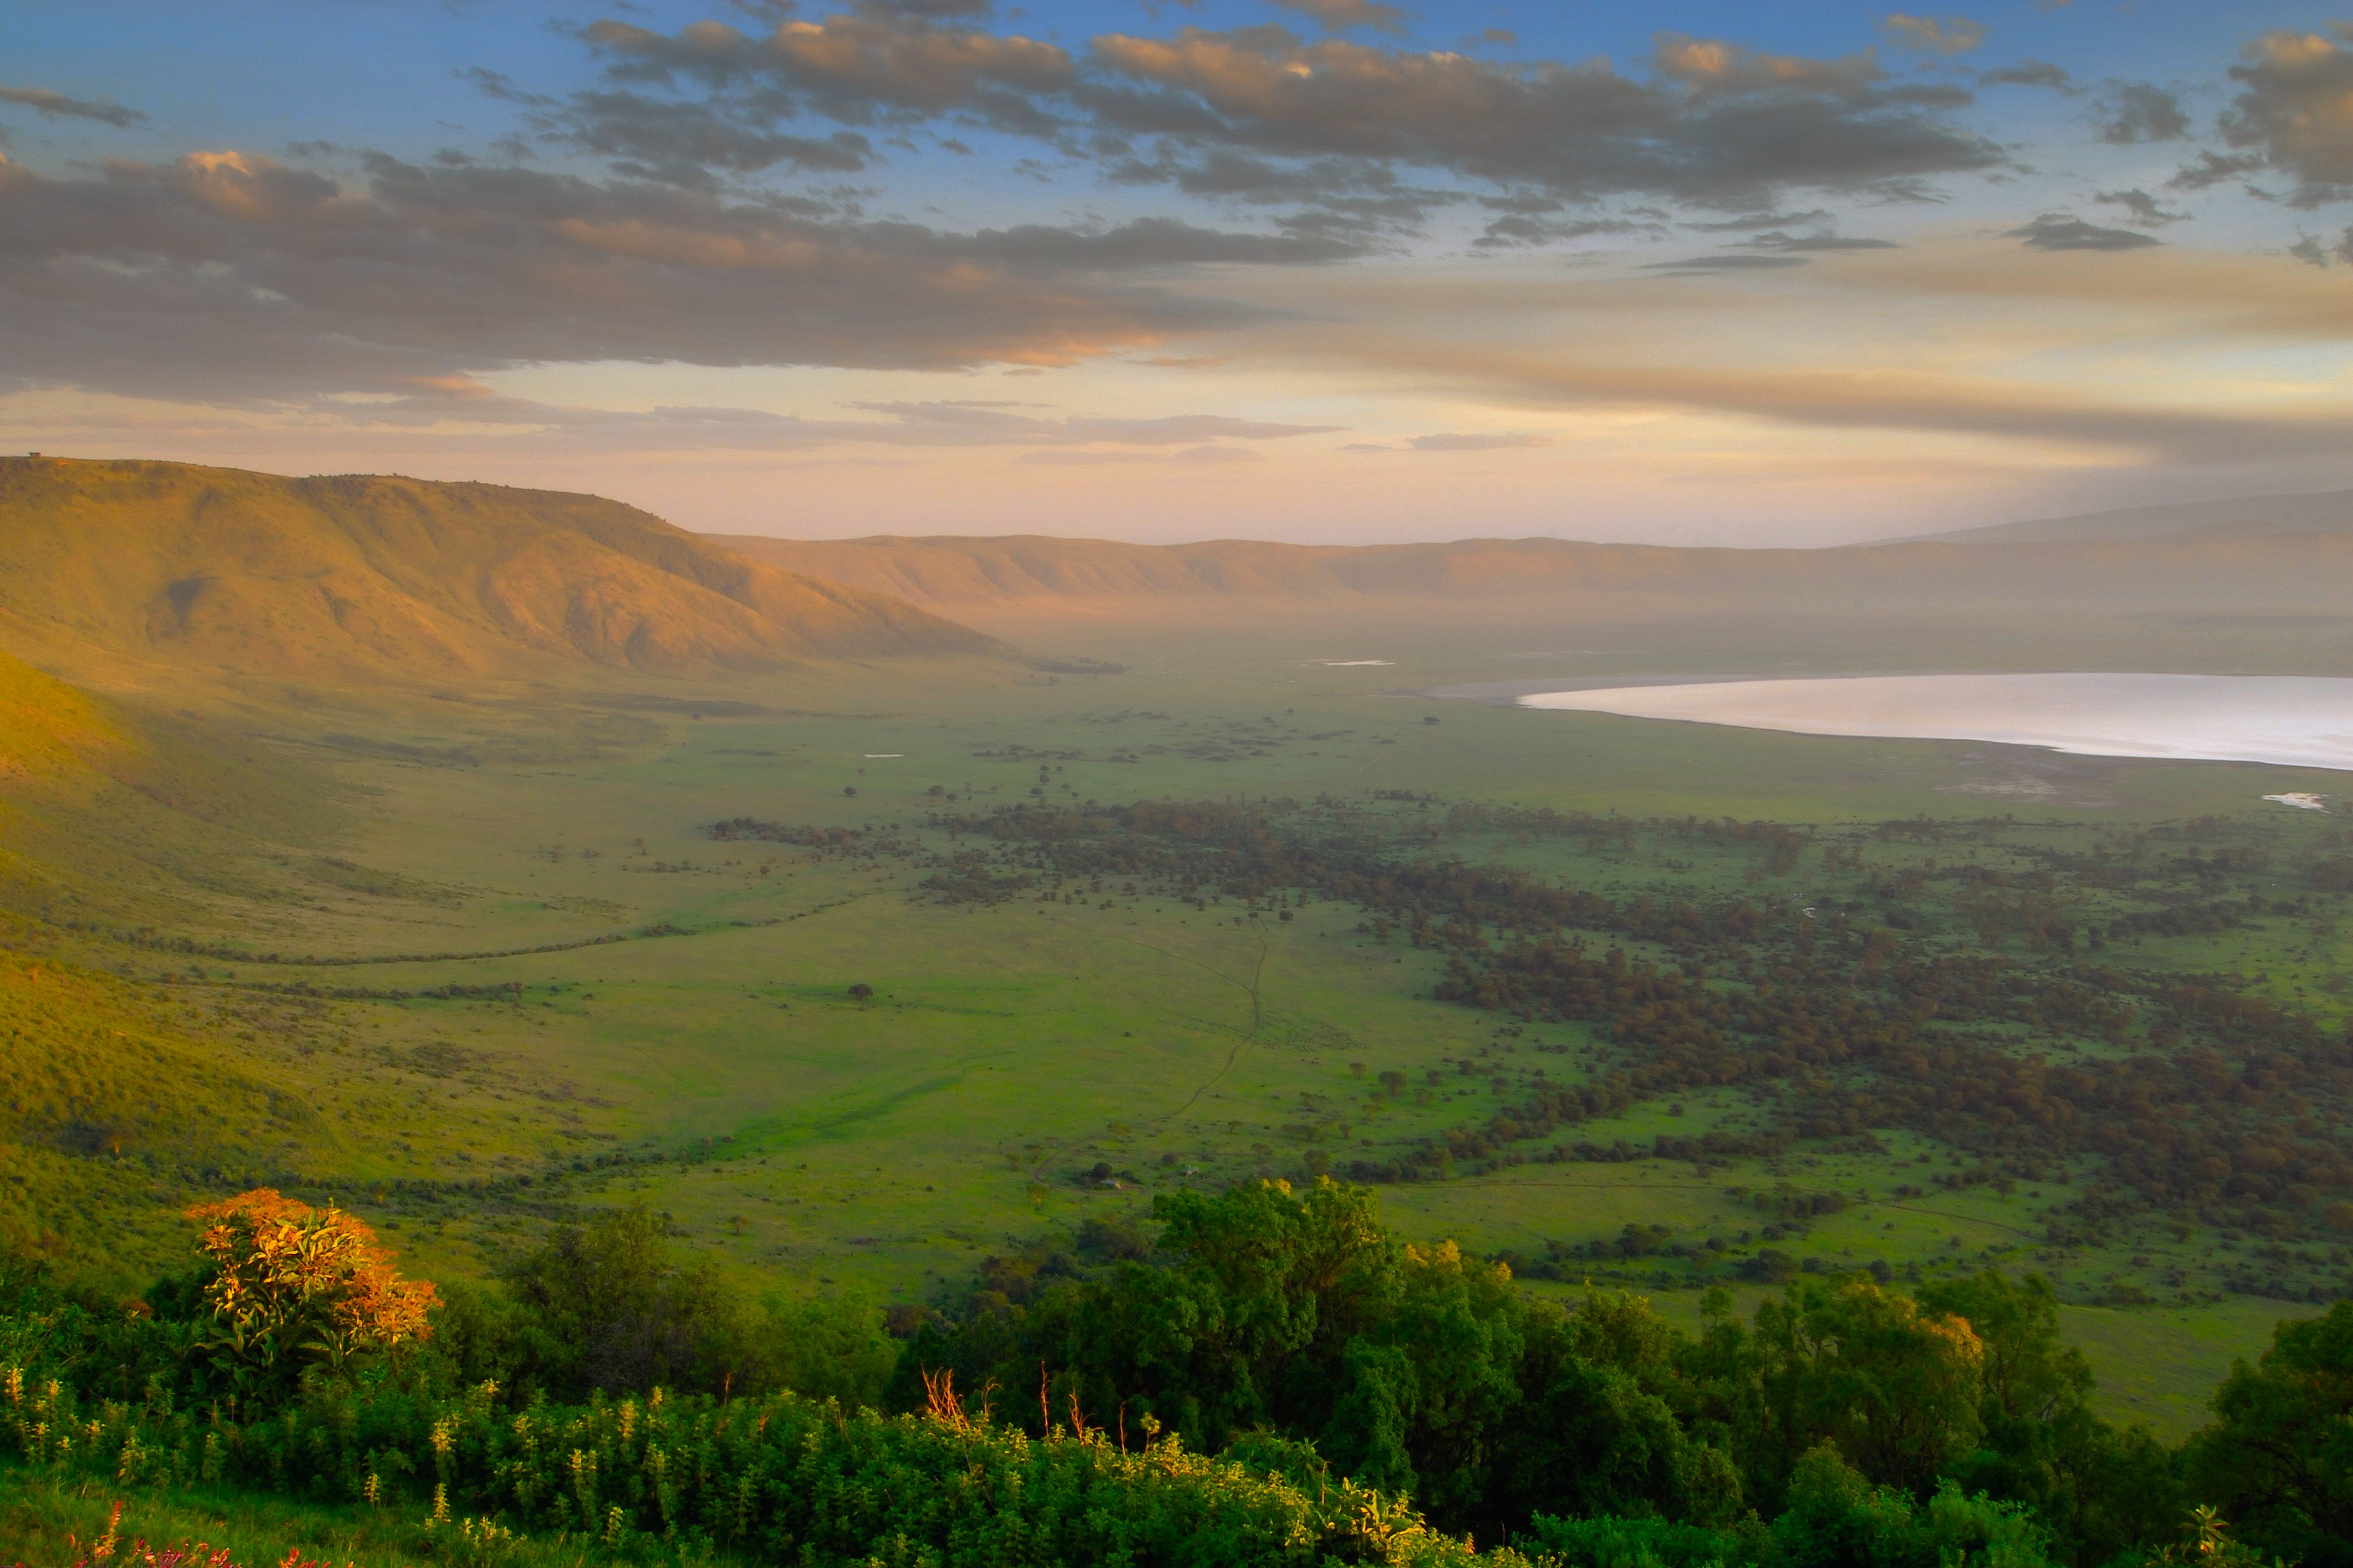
<point x="2296" y="109"/>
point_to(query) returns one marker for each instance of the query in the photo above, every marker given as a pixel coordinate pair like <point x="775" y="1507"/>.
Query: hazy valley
<point x="479" y="860"/>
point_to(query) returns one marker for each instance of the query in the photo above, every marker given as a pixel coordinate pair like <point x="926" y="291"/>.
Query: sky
<point x="1339" y="271"/>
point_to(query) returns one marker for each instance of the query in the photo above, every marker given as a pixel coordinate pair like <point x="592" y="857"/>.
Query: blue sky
<point x="1322" y="269"/>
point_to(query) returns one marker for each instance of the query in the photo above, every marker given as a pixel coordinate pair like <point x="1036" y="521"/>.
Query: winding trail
<point x="1233" y="1057"/>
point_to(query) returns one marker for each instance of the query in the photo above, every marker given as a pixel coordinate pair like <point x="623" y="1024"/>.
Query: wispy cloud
<point x="1341" y="15"/>
<point x="1475" y="443"/>
<point x="2064" y="231"/>
<point x="2028" y="73"/>
<point x="1952" y="36"/>
<point x="1925" y="403"/>
<point x="57" y="106"/>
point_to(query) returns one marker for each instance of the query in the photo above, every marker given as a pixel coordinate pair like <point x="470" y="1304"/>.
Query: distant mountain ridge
<point x="367" y="579"/>
<point x="1003" y="581"/>
<point x="2330" y="511"/>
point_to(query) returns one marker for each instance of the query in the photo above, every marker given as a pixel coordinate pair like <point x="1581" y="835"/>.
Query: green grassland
<point x="491" y="972"/>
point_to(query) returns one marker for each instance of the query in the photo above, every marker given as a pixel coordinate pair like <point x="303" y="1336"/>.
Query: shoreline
<point x="2094" y="739"/>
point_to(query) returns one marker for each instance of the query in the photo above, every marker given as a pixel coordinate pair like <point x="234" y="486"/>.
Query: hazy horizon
<point x="1175" y="538"/>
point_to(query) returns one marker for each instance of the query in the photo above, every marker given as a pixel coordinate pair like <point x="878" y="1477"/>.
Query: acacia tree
<point x="295" y="1286"/>
<point x="2278" y="1456"/>
<point x="1894" y="1387"/>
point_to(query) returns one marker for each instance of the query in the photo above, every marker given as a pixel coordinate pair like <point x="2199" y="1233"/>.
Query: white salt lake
<point x="2296" y="720"/>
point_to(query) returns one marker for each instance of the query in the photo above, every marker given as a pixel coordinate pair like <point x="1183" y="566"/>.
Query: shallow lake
<point x="2299" y="721"/>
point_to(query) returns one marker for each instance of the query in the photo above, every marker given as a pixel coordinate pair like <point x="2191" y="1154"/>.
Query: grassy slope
<point x="135" y="572"/>
<point x="109" y="1110"/>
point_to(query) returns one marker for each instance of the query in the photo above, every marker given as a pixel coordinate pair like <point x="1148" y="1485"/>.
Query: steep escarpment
<point x="367" y="580"/>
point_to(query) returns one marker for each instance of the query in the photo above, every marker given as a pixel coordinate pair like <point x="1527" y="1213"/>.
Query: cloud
<point x="1349" y="203"/>
<point x="2028" y="73"/>
<point x="1876" y="399"/>
<point x="1711" y="66"/>
<point x="935" y="10"/>
<point x="1474" y="443"/>
<point x="880" y="64"/>
<point x="1340" y="132"/>
<point x="1454" y="442"/>
<point x="918" y="67"/>
<point x="2130" y="112"/>
<point x="1726" y="263"/>
<point x="2063" y="231"/>
<point x="2143" y="206"/>
<point x="2317" y="252"/>
<point x="448" y="405"/>
<point x="2296" y="112"/>
<point x="1714" y="123"/>
<point x="1515" y="229"/>
<point x="1339" y="16"/>
<point x="1205" y="456"/>
<point x="1747" y="221"/>
<point x="1777" y="240"/>
<point x="684" y="143"/>
<point x="228" y="275"/>
<point x="1783" y="250"/>
<point x="2213" y="168"/>
<point x="57" y="106"/>
<point x="1953" y="36"/>
<point x="968" y="424"/>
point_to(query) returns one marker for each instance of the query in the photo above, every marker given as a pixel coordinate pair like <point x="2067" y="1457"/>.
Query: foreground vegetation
<point x="1271" y="1378"/>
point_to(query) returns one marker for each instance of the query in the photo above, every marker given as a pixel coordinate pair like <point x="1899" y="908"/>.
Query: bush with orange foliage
<point x="296" y="1286"/>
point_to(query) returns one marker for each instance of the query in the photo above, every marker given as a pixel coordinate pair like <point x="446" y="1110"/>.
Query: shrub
<point x="1613" y="1542"/>
<point x="609" y="1307"/>
<point x="294" y="1287"/>
<point x="1836" y="1519"/>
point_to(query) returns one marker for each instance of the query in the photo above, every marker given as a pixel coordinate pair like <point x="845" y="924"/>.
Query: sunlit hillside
<point x="125" y="814"/>
<point x="109" y="1110"/>
<point x="48" y="730"/>
<point x="136" y="572"/>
